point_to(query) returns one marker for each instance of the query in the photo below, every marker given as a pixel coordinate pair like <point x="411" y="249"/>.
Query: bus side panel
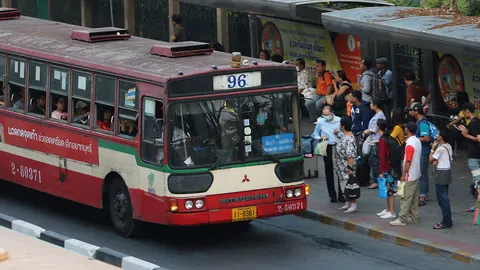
<point x="148" y="207"/>
<point x="40" y="174"/>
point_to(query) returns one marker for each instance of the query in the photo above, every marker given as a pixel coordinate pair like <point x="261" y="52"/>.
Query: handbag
<point x="352" y="189"/>
<point x="476" y="216"/>
<point x="401" y="189"/>
<point x="366" y="147"/>
<point x="382" y="188"/>
<point x="321" y="148"/>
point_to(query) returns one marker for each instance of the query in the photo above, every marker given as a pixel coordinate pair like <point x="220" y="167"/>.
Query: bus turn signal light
<point x="173" y="205"/>
<point x="307" y="189"/>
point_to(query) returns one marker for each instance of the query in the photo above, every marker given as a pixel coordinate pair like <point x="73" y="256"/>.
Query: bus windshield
<point x="232" y="130"/>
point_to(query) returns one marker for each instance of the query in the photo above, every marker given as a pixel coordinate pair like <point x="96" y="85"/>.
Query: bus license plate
<point x="244" y="213"/>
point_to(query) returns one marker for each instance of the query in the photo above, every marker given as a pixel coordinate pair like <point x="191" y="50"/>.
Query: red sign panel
<point x="49" y="140"/>
<point x="349" y="55"/>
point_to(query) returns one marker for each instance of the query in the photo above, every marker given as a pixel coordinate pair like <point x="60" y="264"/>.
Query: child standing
<point x="385" y="169"/>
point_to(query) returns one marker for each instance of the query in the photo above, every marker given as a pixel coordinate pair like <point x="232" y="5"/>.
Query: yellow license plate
<point x="244" y="213"/>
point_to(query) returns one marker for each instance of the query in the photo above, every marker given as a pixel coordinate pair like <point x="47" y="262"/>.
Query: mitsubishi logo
<point x="245" y="179"/>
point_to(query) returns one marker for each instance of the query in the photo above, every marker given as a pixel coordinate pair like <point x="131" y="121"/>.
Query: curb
<point x="103" y="254"/>
<point x="391" y="236"/>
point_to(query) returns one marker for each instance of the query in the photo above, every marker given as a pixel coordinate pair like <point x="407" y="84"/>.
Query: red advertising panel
<point x="49" y="140"/>
<point x="349" y="55"/>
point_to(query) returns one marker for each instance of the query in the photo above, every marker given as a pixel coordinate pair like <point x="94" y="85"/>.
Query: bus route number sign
<point x="237" y="81"/>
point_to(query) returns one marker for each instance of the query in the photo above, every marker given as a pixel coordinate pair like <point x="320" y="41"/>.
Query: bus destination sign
<point x="237" y="81"/>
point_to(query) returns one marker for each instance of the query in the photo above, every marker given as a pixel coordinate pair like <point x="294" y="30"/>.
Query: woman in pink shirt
<point x="60" y="113"/>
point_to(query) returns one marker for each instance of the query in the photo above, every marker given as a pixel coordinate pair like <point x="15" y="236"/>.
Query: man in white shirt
<point x="410" y="175"/>
<point x="304" y="80"/>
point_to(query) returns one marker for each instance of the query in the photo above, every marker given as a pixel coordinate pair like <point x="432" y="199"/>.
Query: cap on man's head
<point x="416" y="106"/>
<point x="81" y="104"/>
<point x="382" y="60"/>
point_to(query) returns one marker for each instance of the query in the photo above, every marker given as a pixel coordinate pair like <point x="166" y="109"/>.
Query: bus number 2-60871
<point x="27" y="172"/>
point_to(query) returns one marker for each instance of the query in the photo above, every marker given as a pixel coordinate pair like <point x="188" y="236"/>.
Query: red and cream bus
<point x="168" y="133"/>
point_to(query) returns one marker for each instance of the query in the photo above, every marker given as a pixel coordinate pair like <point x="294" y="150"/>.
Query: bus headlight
<point x="297" y="192"/>
<point x="289" y="193"/>
<point x="199" y="204"/>
<point x="188" y="205"/>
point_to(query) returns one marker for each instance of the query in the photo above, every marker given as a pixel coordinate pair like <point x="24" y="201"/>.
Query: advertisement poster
<point x="293" y="40"/>
<point x="456" y="74"/>
<point x="49" y="140"/>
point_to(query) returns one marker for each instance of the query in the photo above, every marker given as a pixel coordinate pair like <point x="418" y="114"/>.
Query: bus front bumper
<point x="227" y="215"/>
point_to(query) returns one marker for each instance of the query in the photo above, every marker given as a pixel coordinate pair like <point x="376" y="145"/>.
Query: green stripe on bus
<point x="133" y="151"/>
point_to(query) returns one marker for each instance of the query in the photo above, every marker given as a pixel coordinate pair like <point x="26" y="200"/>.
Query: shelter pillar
<point x="173" y="8"/>
<point x="129" y="15"/>
<point x="222" y="28"/>
<point x="86" y="10"/>
<point x="7" y="3"/>
<point x="44" y="9"/>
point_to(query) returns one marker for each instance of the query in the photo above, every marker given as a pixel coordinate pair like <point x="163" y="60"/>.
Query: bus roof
<point x="51" y="41"/>
<point x="300" y="10"/>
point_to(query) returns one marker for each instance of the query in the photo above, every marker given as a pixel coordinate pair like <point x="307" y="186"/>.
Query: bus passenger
<point x="2" y="97"/>
<point x="20" y="104"/>
<point x="83" y="113"/>
<point x="39" y="106"/>
<point x="105" y="121"/>
<point x="60" y="113"/>
<point x="180" y="32"/>
<point x="128" y="127"/>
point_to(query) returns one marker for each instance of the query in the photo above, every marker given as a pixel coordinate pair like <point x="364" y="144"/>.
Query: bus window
<point x="81" y="96"/>
<point x="16" y="84"/>
<point x="152" y="133"/>
<point x="104" y="102"/>
<point x="37" y="88"/>
<point x="3" y="83"/>
<point x="59" y="81"/>
<point x="127" y="109"/>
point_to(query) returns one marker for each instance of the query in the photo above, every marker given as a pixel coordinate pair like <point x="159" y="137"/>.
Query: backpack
<point x="433" y="132"/>
<point x="379" y="88"/>
<point x="397" y="152"/>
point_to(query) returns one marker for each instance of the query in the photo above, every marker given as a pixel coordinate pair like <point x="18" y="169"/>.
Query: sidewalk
<point x="462" y="242"/>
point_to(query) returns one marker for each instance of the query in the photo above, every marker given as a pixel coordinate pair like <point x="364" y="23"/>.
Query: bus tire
<point x="121" y="211"/>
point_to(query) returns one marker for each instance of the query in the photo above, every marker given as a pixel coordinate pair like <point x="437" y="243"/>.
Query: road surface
<point x="275" y="243"/>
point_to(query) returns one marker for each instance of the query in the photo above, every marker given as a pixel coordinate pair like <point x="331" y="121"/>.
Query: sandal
<point x="440" y="227"/>
<point x="470" y="210"/>
<point x="422" y="203"/>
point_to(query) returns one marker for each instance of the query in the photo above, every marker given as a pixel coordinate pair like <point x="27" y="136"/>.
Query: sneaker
<point x="345" y="207"/>
<point x="384" y="211"/>
<point x="397" y="222"/>
<point x="388" y="215"/>
<point x="351" y="210"/>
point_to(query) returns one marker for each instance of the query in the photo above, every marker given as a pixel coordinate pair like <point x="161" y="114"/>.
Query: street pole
<point x="43" y="9"/>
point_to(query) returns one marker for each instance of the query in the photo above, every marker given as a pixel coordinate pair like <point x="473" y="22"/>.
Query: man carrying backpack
<point x="423" y="134"/>
<point x="366" y="80"/>
<point x="387" y="78"/>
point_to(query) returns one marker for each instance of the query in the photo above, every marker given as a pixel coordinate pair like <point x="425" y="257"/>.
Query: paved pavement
<point x="281" y="242"/>
<point x="460" y="242"/>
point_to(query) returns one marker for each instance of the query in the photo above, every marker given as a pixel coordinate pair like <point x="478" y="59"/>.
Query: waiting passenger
<point x="105" y="121"/>
<point x="39" y="106"/>
<point x="20" y="104"/>
<point x="83" y="113"/>
<point x="2" y="97"/>
<point x="60" y="113"/>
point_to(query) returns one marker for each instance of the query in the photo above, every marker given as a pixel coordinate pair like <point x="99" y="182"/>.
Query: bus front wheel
<point x="120" y="208"/>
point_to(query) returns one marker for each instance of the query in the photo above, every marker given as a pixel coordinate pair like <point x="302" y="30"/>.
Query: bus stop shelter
<point x="443" y="54"/>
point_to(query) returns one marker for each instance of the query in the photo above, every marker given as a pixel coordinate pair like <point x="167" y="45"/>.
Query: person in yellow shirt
<point x="398" y="130"/>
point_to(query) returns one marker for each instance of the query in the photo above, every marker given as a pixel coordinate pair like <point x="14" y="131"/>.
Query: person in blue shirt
<point x="361" y="115"/>
<point x="328" y="128"/>
<point x="423" y="134"/>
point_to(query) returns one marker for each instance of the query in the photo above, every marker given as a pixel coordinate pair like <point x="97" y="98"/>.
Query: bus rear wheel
<point x="120" y="208"/>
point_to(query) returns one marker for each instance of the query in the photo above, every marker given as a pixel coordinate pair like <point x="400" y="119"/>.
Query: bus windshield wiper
<point x="219" y="158"/>
<point x="270" y="155"/>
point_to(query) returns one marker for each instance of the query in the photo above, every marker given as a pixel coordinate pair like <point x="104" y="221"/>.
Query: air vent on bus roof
<point x="9" y="13"/>
<point x="101" y="34"/>
<point x="179" y="49"/>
